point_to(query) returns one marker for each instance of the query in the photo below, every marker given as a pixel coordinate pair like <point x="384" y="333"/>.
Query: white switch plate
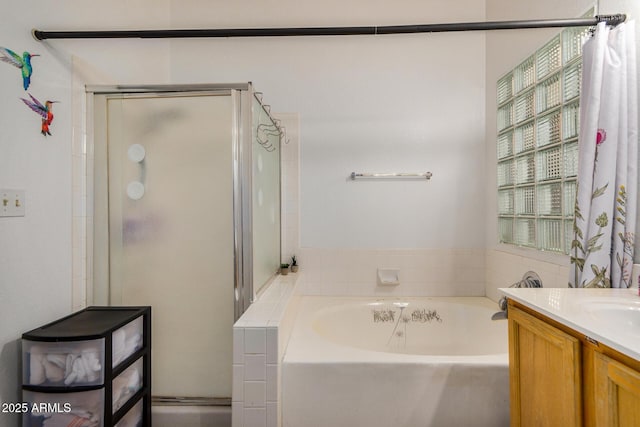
<point x="12" y="202"/>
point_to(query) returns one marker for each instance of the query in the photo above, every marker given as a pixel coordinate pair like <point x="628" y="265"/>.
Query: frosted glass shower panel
<point x="266" y="197"/>
<point x="172" y="248"/>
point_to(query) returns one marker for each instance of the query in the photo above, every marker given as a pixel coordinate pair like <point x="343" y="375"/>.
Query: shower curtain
<point x="605" y="210"/>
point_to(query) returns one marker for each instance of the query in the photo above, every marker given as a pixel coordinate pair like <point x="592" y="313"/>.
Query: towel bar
<point x="425" y="175"/>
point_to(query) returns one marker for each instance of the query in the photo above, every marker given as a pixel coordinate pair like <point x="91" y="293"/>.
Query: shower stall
<point x="186" y="219"/>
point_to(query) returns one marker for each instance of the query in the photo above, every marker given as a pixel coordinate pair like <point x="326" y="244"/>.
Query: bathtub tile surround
<point x="259" y="340"/>
<point x="423" y="272"/>
<point x="255" y="341"/>
<point x="505" y="268"/>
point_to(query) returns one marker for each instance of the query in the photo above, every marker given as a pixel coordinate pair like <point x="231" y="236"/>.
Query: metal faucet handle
<point x="529" y="280"/>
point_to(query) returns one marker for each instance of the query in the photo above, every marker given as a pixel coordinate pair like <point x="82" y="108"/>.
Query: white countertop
<point x="610" y="316"/>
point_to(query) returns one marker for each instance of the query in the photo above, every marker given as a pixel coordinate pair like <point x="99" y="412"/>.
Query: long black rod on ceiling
<point x="331" y="31"/>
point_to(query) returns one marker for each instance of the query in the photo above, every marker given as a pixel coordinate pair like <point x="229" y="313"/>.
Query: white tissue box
<point x="62" y="409"/>
<point x="63" y="363"/>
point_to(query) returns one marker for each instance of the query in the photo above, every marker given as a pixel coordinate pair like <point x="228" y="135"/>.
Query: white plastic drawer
<point x="127" y="340"/>
<point x="84" y="408"/>
<point x="66" y="364"/>
<point x="133" y="418"/>
<point x="127" y="384"/>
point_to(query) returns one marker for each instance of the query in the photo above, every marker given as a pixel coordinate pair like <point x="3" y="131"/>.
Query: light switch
<point x="12" y="203"/>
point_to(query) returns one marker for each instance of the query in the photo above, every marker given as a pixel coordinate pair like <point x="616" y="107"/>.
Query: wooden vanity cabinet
<point x="560" y="377"/>
<point x="616" y="392"/>
<point x="544" y="372"/>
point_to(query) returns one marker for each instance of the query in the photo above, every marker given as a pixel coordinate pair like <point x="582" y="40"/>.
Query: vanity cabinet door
<point x="618" y="389"/>
<point x="545" y="373"/>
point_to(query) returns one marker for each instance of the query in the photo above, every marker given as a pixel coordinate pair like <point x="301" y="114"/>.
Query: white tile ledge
<point x="269" y="308"/>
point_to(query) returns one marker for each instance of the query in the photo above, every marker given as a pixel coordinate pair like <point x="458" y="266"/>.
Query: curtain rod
<point x="331" y="31"/>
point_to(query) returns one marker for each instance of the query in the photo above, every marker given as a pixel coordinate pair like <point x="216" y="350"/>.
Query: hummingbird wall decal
<point x="23" y="63"/>
<point x="44" y="111"/>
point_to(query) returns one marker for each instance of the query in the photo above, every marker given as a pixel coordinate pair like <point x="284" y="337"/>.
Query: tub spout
<point x="502" y="314"/>
<point x="499" y="315"/>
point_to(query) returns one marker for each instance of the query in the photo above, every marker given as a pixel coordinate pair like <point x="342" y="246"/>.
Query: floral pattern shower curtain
<point x="605" y="212"/>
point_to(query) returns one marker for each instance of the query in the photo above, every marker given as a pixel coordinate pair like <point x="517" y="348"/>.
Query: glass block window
<point x="537" y="144"/>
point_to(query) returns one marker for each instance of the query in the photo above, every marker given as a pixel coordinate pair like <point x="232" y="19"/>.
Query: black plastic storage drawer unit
<point x="92" y="368"/>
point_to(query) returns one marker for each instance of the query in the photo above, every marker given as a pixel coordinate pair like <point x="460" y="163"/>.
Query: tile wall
<point x="81" y="182"/>
<point x="259" y="343"/>
<point x="290" y="169"/>
<point x="423" y="272"/>
<point x="505" y="268"/>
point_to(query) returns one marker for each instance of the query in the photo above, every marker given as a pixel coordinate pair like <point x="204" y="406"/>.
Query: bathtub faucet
<point x="529" y="280"/>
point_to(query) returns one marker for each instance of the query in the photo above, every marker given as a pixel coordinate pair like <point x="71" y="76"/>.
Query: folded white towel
<point x="75" y="363"/>
<point x="85" y="368"/>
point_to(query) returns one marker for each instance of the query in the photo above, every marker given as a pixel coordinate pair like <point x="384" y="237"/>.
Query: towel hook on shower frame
<point x="276" y="122"/>
<point x="266" y="129"/>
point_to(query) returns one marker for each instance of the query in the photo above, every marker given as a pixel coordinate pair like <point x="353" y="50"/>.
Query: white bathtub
<point x="393" y="362"/>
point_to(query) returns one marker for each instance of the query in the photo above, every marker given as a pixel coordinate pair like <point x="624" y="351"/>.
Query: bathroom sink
<point x="617" y="313"/>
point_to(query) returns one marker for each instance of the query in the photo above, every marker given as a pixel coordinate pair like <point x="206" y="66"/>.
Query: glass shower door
<point x="171" y="232"/>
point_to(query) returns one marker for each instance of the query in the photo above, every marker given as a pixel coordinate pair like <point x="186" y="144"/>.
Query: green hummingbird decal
<point x="23" y="63"/>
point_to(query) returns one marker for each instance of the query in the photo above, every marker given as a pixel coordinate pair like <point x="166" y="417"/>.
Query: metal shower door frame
<point x="241" y="96"/>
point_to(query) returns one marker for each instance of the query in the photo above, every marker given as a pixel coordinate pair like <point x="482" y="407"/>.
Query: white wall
<point x="36" y="250"/>
<point x="366" y="104"/>
<point x="403" y="102"/>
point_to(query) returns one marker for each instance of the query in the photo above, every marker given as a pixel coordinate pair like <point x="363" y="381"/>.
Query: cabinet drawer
<point x="133" y="418"/>
<point x="82" y="409"/>
<point x="63" y="364"/>
<point x="127" y="384"/>
<point x="127" y="340"/>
